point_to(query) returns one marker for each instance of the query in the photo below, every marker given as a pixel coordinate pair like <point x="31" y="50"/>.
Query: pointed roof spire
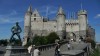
<point x="81" y="6"/>
<point x="30" y="9"/>
<point x="60" y="11"/>
<point x="82" y="11"/>
<point x="36" y="12"/>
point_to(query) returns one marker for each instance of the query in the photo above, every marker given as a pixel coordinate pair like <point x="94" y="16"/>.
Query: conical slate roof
<point x="60" y="11"/>
<point x="30" y="9"/>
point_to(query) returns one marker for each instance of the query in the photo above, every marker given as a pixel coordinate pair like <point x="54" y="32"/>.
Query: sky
<point x="12" y="11"/>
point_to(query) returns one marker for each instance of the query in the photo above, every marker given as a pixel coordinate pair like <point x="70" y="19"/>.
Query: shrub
<point x="39" y="40"/>
<point x="3" y="42"/>
<point x="43" y="40"/>
<point x="52" y="37"/>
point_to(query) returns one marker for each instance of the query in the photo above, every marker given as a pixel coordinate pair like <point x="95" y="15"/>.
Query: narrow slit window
<point x="34" y="15"/>
<point x="34" y="19"/>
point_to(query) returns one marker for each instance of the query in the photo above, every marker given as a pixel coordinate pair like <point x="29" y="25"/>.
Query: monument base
<point x="16" y="51"/>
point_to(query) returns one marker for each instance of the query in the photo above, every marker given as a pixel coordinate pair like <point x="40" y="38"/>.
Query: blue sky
<point x="14" y="10"/>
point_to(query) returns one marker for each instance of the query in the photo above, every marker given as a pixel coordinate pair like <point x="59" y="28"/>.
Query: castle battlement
<point x="72" y="21"/>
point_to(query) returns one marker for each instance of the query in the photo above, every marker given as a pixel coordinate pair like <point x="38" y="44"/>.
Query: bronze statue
<point x="16" y="30"/>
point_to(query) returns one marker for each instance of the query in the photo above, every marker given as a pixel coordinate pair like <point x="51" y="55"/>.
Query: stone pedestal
<point x="16" y="51"/>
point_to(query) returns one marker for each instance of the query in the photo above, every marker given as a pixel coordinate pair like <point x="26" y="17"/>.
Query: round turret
<point x="27" y="25"/>
<point x="82" y="17"/>
<point x="82" y="12"/>
<point x="61" y="28"/>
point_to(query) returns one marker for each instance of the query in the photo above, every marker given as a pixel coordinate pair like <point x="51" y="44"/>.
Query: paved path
<point x="74" y="46"/>
<point x="63" y="48"/>
<point x="2" y="50"/>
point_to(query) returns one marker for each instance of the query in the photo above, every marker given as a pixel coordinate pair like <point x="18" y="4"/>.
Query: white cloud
<point x="53" y="11"/>
<point x="4" y="20"/>
<point x="97" y="16"/>
<point x="13" y="12"/>
<point x="10" y="18"/>
<point x="48" y="10"/>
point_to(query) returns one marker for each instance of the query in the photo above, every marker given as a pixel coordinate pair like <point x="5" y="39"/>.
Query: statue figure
<point x="16" y="30"/>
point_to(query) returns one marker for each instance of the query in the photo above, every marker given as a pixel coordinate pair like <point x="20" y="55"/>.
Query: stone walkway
<point x="63" y="48"/>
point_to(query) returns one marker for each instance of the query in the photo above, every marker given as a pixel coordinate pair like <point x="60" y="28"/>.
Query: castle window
<point x="54" y="26"/>
<point x="34" y="19"/>
<point x="34" y="15"/>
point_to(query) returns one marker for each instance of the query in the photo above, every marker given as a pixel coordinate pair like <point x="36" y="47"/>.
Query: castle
<point x="35" y="24"/>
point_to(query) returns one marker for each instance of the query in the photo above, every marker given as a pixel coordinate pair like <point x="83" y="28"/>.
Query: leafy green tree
<point x="39" y="40"/>
<point x="52" y="37"/>
<point x="43" y="40"/>
<point x="36" y="40"/>
<point x="3" y="42"/>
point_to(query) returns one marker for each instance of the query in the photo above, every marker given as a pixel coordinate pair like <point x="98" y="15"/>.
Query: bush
<point x="43" y="40"/>
<point x="3" y="42"/>
<point x="52" y="37"/>
<point x="39" y="40"/>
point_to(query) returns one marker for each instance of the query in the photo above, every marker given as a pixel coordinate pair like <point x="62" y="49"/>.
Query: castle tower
<point x="27" y="25"/>
<point x="61" y="28"/>
<point x="82" y="17"/>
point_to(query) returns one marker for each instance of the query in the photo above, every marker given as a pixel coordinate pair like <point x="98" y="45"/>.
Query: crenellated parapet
<point x="72" y="22"/>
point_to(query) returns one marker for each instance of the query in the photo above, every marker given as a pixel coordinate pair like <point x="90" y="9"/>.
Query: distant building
<point x="35" y="24"/>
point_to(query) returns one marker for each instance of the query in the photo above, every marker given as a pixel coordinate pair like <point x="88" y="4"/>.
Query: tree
<point x="3" y="42"/>
<point x="52" y="37"/>
<point x="36" y="40"/>
<point x="43" y="40"/>
<point x="39" y="40"/>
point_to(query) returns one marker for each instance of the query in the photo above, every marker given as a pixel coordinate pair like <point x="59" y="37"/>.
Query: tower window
<point x="34" y="19"/>
<point x="34" y="15"/>
<point x="54" y="26"/>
